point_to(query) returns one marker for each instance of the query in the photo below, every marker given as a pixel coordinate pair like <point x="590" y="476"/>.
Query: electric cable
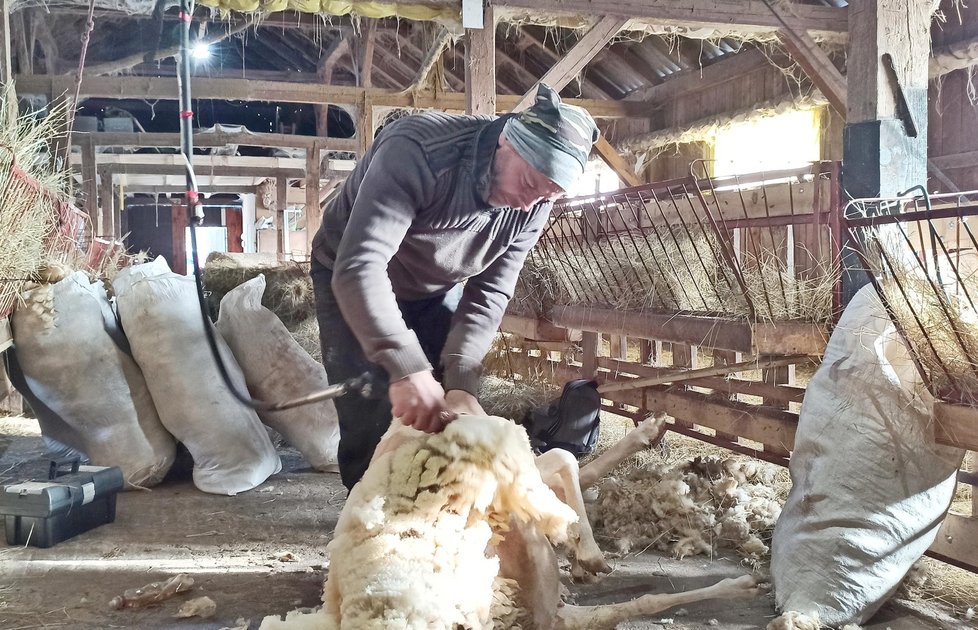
<point x="195" y="216"/>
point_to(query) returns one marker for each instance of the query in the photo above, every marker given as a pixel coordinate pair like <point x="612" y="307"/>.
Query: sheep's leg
<point x="559" y="470"/>
<point x="647" y="433"/>
<point x="525" y="555"/>
<point x="607" y="616"/>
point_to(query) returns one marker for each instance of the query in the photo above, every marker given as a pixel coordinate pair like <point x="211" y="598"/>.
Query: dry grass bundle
<point x="694" y="507"/>
<point x="513" y="399"/>
<point x="288" y="289"/>
<point x="307" y="336"/>
<point x="537" y="289"/>
<point x="935" y="311"/>
<point x="30" y="193"/>
<point x="933" y="580"/>
<point x="675" y="269"/>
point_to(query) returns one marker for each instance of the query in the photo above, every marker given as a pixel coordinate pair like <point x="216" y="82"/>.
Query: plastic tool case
<point x="44" y="513"/>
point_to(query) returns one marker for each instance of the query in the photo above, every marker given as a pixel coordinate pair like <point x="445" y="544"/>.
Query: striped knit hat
<point x="553" y="137"/>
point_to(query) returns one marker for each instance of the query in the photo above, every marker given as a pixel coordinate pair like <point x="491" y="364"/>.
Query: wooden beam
<point x="162" y="189"/>
<point x="956" y="425"/>
<point x="109" y="223"/>
<point x="968" y="159"/>
<point x="480" y="65"/>
<point x="127" y="62"/>
<point x="536" y="329"/>
<point x="725" y="385"/>
<point x="813" y="60"/>
<point x="6" y="64"/>
<point x="676" y="376"/>
<point x="313" y="211"/>
<point x="588" y="88"/>
<point x="89" y="173"/>
<point x="570" y="64"/>
<point x="165" y="88"/>
<point x="711" y="332"/>
<point x="760" y="424"/>
<point x="218" y="139"/>
<point x="887" y="67"/>
<point x="612" y="158"/>
<point x="744" y="16"/>
<point x="215" y="171"/>
<point x="281" y="202"/>
<point x="955" y="542"/>
<point x="367" y="44"/>
<point x="431" y="58"/>
<point x="365" y="126"/>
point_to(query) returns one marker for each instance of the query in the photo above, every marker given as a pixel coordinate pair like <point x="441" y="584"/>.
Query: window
<point x="209" y="239"/>
<point x="598" y="177"/>
<point x="295" y="218"/>
<point x="778" y="142"/>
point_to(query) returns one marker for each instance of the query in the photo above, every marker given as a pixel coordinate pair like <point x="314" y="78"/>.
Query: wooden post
<point x="178" y="225"/>
<point x="480" y="65"/>
<point x="314" y="213"/>
<point x="109" y="227"/>
<point x="885" y="138"/>
<point x="6" y="65"/>
<point x="365" y="125"/>
<point x="281" y="203"/>
<point x="589" y="347"/>
<point x="570" y="64"/>
<point x="90" y="186"/>
<point x="619" y="347"/>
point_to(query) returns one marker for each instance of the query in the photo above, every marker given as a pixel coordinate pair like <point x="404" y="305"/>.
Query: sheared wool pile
<point x="691" y="508"/>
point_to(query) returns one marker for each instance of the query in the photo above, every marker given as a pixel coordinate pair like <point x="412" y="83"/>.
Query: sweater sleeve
<point x="481" y="309"/>
<point x="389" y="197"/>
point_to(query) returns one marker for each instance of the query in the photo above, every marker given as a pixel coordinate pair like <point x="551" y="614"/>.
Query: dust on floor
<point x="264" y="552"/>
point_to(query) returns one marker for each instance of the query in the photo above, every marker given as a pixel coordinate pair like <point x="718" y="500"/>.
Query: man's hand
<point x="419" y="401"/>
<point x="461" y="401"/>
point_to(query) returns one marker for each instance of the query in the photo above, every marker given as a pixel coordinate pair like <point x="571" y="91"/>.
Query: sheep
<point x="456" y="530"/>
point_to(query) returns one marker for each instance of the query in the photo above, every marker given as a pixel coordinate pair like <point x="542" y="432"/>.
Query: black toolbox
<point x="44" y="513"/>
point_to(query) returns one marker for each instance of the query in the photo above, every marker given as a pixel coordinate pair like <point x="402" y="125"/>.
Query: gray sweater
<point x="411" y="222"/>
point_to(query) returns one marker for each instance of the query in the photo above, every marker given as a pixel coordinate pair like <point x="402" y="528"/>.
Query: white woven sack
<point x="161" y="316"/>
<point x="93" y="396"/>
<point x="276" y="369"/>
<point x="869" y="487"/>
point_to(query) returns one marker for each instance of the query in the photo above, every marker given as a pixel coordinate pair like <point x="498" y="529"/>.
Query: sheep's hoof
<point x="743" y="586"/>
<point x="594" y="564"/>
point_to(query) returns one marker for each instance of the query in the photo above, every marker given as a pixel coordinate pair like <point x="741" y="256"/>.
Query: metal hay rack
<point x="921" y="254"/>
<point x="759" y="247"/>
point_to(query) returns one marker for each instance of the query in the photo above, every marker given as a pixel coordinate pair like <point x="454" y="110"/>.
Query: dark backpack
<point x="571" y="422"/>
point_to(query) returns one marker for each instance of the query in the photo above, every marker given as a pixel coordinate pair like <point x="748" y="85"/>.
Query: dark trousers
<point x="365" y="419"/>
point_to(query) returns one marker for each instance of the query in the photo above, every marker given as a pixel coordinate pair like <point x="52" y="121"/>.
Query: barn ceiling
<point x="334" y="50"/>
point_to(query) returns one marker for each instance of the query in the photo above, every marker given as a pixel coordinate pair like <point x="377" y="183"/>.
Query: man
<point x="438" y="201"/>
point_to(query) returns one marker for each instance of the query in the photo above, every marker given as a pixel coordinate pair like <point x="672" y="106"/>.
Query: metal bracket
<point x="902" y="107"/>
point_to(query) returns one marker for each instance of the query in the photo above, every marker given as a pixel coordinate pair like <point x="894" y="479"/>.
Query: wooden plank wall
<point x="738" y="93"/>
<point x="953" y="117"/>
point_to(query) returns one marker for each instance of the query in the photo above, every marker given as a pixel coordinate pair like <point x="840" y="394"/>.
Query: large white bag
<point x="870" y="488"/>
<point x="161" y="316"/>
<point x="88" y="393"/>
<point x="276" y="368"/>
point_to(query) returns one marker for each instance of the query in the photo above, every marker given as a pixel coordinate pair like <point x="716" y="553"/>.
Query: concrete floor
<point x="234" y="547"/>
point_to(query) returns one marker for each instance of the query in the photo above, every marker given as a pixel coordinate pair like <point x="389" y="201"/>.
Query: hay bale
<point x="307" y="336"/>
<point x="288" y="293"/>
<point x="511" y="399"/>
